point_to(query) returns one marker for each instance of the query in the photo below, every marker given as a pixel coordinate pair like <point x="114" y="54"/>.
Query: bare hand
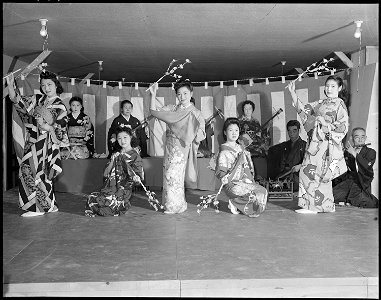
<point x="291" y="88"/>
<point x="136" y="178"/>
<point x="153" y="89"/>
<point x="225" y="179"/>
<point x="350" y="149"/>
<point x="296" y="168"/>
<point x="11" y="86"/>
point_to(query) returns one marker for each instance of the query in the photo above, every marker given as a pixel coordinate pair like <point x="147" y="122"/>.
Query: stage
<point x="148" y="253"/>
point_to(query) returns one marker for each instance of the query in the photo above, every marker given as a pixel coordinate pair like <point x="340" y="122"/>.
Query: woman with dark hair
<point x="326" y="123"/>
<point x="255" y="138"/>
<point x="40" y="132"/>
<point x="235" y="168"/>
<point x="80" y="132"/>
<point x="185" y="131"/>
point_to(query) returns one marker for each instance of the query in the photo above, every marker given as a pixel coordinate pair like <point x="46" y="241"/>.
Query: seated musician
<point x="256" y="139"/>
<point x="354" y="186"/>
<point x="125" y="119"/>
<point x="285" y="159"/>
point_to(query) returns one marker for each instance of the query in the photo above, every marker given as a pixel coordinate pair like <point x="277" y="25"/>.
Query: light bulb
<point x="43" y="31"/>
<point x="357" y="34"/>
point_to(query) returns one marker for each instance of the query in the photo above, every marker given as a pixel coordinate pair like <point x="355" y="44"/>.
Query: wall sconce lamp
<point x="357" y="34"/>
<point x="44" y="28"/>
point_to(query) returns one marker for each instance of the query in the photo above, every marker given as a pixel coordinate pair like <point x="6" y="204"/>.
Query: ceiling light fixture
<point x="100" y="65"/>
<point x="44" y="28"/>
<point x="357" y="34"/>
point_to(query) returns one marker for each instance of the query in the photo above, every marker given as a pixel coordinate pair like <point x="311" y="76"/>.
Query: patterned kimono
<point x="324" y="158"/>
<point x="114" y="198"/>
<point x="38" y="151"/>
<point x="81" y="137"/>
<point x="185" y="130"/>
<point x="256" y="140"/>
<point x="245" y="194"/>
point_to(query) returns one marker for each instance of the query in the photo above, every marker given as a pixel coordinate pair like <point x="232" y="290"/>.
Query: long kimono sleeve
<point x="365" y="161"/>
<point x="60" y="125"/>
<point x="306" y="113"/>
<point x="136" y="164"/>
<point x="222" y="165"/>
<point x="339" y="127"/>
<point x="89" y="138"/>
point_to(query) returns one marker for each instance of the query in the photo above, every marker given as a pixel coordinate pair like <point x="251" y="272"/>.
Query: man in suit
<point x="287" y="157"/>
<point x="125" y="119"/>
<point x="354" y="186"/>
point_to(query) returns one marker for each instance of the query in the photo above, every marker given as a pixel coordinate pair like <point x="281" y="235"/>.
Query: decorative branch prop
<point x="322" y="66"/>
<point x="208" y="199"/>
<point x="152" y="200"/>
<point x="172" y="71"/>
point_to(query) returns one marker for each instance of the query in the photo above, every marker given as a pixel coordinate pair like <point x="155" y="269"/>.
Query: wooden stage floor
<point x="147" y="253"/>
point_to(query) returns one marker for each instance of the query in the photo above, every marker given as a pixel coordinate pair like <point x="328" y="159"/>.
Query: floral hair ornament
<point x="315" y="67"/>
<point x="171" y="72"/>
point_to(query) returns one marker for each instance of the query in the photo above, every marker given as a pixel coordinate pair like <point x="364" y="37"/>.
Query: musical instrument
<point x="217" y="113"/>
<point x="143" y="124"/>
<point x="276" y="113"/>
<point x="359" y="146"/>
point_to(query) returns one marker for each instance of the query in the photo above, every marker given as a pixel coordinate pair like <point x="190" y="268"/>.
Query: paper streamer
<point x="230" y="106"/>
<point x="235" y="83"/>
<point x="251" y="82"/>
<point x="88" y="82"/>
<point x="138" y="109"/>
<point x="267" y="81"/>
<point x="104" y="84"/>
<point x="256" y="99"/>
<point x="206" y="85"/>
<point x="72" y="81"/>
<point x="283" y="79"/>
<point x="303" y="96"/>
<point x="316" y="75"/>
<point x="279" y="122"/>
<point x="120" y="85"/>
<point x="136" y="86"/>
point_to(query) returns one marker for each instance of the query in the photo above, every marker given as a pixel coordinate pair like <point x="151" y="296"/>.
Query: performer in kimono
<point x="39" y="130"/>
<point x="285" y="159"/>
<point x="125" y="119"/>
<point x="354" y="187"/>
<point x="185" y="130"/>
<point x="326" y="123"/>
<point x="257" y="138"/>
<point x="236" y="170"/>
<point x="122" y="172"/>
<point x="80" y="132"/>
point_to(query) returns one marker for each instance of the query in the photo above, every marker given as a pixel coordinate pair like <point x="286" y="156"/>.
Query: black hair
<point x="293" y="123"/>
<point x="343" y="94"/>
<point x="124" y="102"/>
<point x="180" y="83"/>
<point x="227" y="123"/>
<point x="128" y="130"/>
<point x="78" y="99"/>
<point x="357" y="128"/>
<point x="247" y="102"/>
<point x="193" y="101"/>
<point x="52" y="77"/>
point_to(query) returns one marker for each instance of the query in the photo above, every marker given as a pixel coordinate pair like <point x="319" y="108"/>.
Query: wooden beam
<point x="35" y="63"/>
<point x="88" y="76"/>
<point x="345" y="59"/>
<point x="300" y="71"/>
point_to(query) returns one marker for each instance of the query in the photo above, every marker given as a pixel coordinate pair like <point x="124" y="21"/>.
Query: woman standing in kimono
<point x="326" y="123"/>
<point x="122" y="172"/>
<point x="236" y="170"/>
<point x="39" y="130"/>
<point x="80" y="131"/>
<point x="185" y="131"/>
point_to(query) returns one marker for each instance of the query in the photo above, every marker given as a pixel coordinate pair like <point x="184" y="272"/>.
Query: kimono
<point x="257" y="140"/>
<point x="139" y="142"/>
<point x="354" y="187"/>
<point x="81" y="137"/>
<point x="324" y="157"/>
<point x="185" y="131"/>
<point x="38" y="150"/>
<point x="245" y="194"/>
<point x="114" y="197"/>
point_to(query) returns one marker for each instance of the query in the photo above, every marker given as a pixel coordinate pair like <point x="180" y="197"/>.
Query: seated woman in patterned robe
<point x="80" y="132"/>
<point x="235" y="169"/>
<point x="123" y="171"/>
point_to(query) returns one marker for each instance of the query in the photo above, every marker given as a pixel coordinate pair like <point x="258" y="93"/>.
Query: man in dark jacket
<point x="125" y="119"/>
<point x="354" y="186"/>
<point x="285" y="159"/>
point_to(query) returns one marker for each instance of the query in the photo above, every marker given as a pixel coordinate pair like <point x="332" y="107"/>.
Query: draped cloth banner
<point x="138" y="109"/>
<point x="112" y="112"/>
<point x="207" y="108"/>
<point x="157" y="133"/>
<point x="303" y="96"/>
<point x="230" y="106"/>
<point x="256" y="99"/>
<point x="279" y="122"/>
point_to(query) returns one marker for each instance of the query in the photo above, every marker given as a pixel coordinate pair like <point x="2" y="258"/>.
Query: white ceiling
<point x="137" y="41"/>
